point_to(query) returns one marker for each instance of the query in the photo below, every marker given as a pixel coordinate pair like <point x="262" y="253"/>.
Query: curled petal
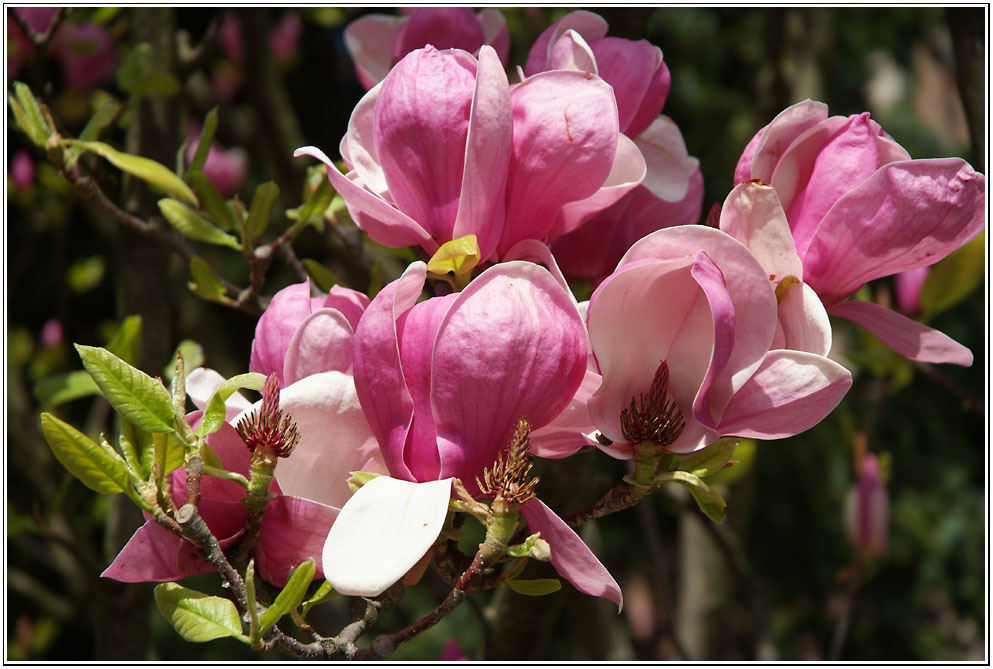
<point x="640" y="79"/>
<point x="351" y="303"/>
<point x="803" y="321"/>
<point x="511" y="346"/>
<point x="572" y="559"/>
<point x="907" y="214"/>
<point x="791" y="392"/>
<point x="571" y="52"/>
<point x="276" y="327"/>
<point x="589" y="25"/>
<point x="322" y="343"/>
<point x="669" y="166"/>
<point x="358" y="146"/>
<point x="370" y="40"/>
<point x="761" y="155"/>
<point x="905" y="336"/>
<point x="383" y="531"/>
<point x="753" y="215"/>
<point x="571" y="430"/>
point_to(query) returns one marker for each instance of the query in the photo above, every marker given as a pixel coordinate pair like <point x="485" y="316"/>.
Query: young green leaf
<point x="192" y="357"/>
<point x="31" y="120"/>
<point x="205" y="282"/>
<point x="136" y="396"/>
<point x="260" y="212"/>
<point x="290" y="596"/>
<point x="157" y="176"/>
<point x="206" y="137"/>
<point x="213" y="202"/>
<point x="91" y="463"/>
<point x="214" y="414"/>
<point x="196" y="616"/>
<point x="323" y="277"/>
<point x="143" y="445"/>
<point x="195" y="226"/>
<point x="324" y="593"/>
<point x="101" y="119"/>
<point x="712" y="504"/>
<point x="535" y="588"/>
<point x="711" y="459"/>
<point x="25" y="124"/>
<point x="169" y="452"/>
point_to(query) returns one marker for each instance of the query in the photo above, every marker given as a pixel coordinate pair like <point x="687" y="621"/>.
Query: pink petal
<point x="791" y="392"/>
<point x="335" y="438"/>
<point x="639" y="78"/>
<point x="487" y="156"/>
<point x="771" y="142"/>
<point x="571" y="430"/>
<point x="377" y="217"/>
<point x="293" y="531"/>
<point x="753" y="215"/>
<point x="534" y="251"/>
<point x="905" y="336"/>
<point x="496" y="35"/>
<point x="276" y="327"/>
<point x="369" y="40"/>
<point x="565" y="140"/>
<point x="512" y="346"/>
<point x="351" y="303"/>
<point x="379" y="380"/>
<point x="422" y="122"/>
<point x="441" y="27"/>
<point x="572" y="559"/>
<point x="715" y="388"/>
<point x="571" y="52"/>
<point x="358" y="146"/>
<point x="907" y="288"/>
<point x="589" y="25"/>
<point x="823" y="167"/>
<point x="155" y="554"/>
<point x="669" y="166"/>
<point x="235" y="457"/>
<point x="322" y="343"/>
<point x="804" y="321"/>
<point x="626" y="173"/>
<point x="908" y="214"/>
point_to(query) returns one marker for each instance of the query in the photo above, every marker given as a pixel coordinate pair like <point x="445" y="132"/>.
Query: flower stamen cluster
<point x="508" y="477"/>
<point x="269" y="427"/>
<point x="653" y="417"/>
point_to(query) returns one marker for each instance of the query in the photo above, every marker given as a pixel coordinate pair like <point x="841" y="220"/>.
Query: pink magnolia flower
<point x="867" y="510"/>
<point x="19" y="47"/>
<point x="444" y="382"/>
<point x="859" y="208"/>
<point x="86" y="52"/>
<point x="634" y="69"/>
<point x="444" y="148"/>
<point x="225" y="168"/>
<point x="695" y="299"/>
<point x="293" y="529"/>
<point x="377" y="42"/>
<point x="22" y="170"/>
<point x="907" y="287"/>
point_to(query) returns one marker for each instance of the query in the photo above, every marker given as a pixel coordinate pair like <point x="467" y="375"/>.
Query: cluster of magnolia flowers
<point x="569" y="172"/>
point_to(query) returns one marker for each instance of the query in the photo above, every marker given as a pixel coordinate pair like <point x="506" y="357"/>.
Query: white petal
<point x="200" y="386"/>
<point x="381" y="532"/>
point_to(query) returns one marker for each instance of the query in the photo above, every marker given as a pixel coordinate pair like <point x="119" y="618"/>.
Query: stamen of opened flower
<point x="653" y="417"/>
<point x="269" y="426"/>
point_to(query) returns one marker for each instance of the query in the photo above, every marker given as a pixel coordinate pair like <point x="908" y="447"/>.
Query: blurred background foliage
<point x="778" y="581"/>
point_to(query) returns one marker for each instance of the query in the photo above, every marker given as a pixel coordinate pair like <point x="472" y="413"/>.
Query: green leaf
<point x="205" y="282"/>
<point x="711" y="459"/>
<point x="101" y="119"/>
<point x="744" y="457"/>
<point x="99" y="469"/>
<point x="136" y="396"/>
<point x="206" y="137"/>
<point x="260" y="212"/>
<point x="126" y="342"/>
<point x="214" y="414"/>
<point x="192" y="357"/>
<point x="28" y="115"/>
<point x="535" y="588"/>
<point x="169" y="452"/>
<point x="953" y="279"/>
<point x="213" y="202"/>
<point x="712" y="504"/>
<point x="142" y="445"/>
<point x="196" y="616"/>
<point x="61" y="388"/>
<point x="313" y="209"/>
<point x="155" y="174"/>
<point x="323" y="277"/>
<point x="290" y="596"/>
<point x="195" y="226"/>
<point x="325" y="593"/>
<point x="85" y="274"/>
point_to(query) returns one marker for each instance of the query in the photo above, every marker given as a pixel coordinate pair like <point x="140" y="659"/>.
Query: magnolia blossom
<point x="444" y="383"/>
<point x="858" y="208"/>
<point x="377" y="42"/>
<point x="695" y="299"/>
<point x="84" y="49"/>
<point x="443" y="148"/>
<point x="225" y="168"/>
<point x="867" y="510"/>
<point x="293" y="529"/>
<point x="22" y="170"/>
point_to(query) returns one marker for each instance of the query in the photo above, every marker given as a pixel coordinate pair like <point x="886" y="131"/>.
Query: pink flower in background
<point x="695" y="299"/>
<point x="452" y="652"/>
<point x="22" y="170"/>
<point x="859" y="208"/>
<point x="867" y="510"/>
<point x="634" y="69"/>
<point x="377" y="42"/>
<point x="51" y="333"/>
<point x="293" y="529"/>
<point x="86" y="52"/>
<point x="225" y="168"/>
<point x="284" y="45"/>
<point x="907" y="287"/>
<point x="443" y="148"/>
